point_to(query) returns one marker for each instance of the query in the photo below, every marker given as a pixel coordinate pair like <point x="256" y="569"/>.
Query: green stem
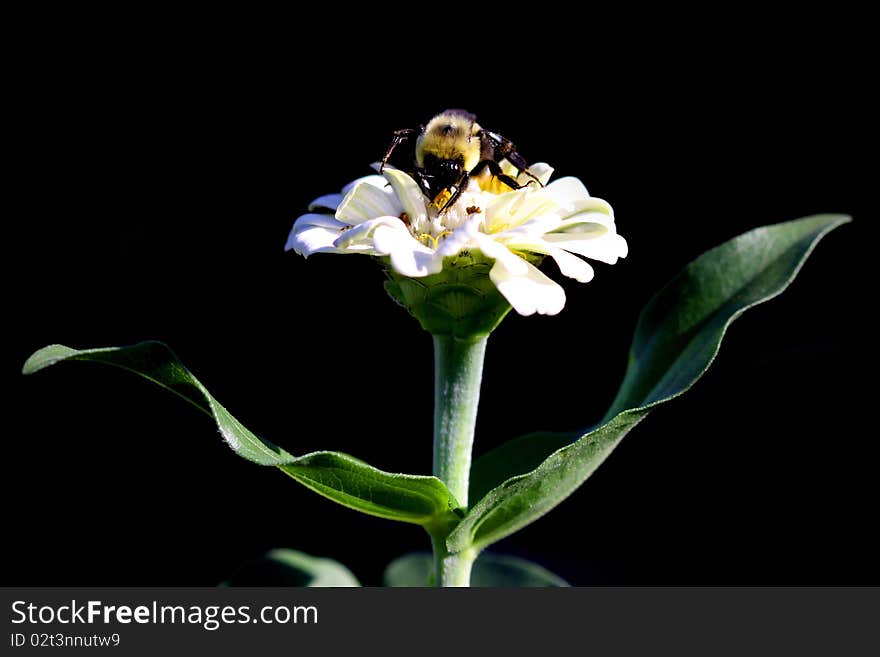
<point x="458" y="371"/>
<point x="451" y="569"/>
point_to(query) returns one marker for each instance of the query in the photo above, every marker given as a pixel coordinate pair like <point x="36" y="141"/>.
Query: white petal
<point x="572" y="266"/>
<point x="540" y="170"/>
<point x="535" y="207"/>
<point x="374" y="180"/>
<point x="529" y="293"/>
<point x="492" y="249"/>
<point x="314" y="233"/>
<point x="362" y="234"/>
<point x="532" y="228"/>
<point x="314" y="239"/>
<point x="589" y="205"/>
<point x="315" y="219"/>
<point x="513" y="209"/>
<point x="408" y="256"/>
<point x="408" y="192"/>
<point x="593" y="204"/>
<point x="605" y="248"/>
<point x="327" y="202"/>
<point x="500" y="208"/>
<point x="586" y="222"/>
<point x="366" y="201"/>
<point x="567" y="191"/>
<point x="569" y="265"/>
<point x="461" y="238"/>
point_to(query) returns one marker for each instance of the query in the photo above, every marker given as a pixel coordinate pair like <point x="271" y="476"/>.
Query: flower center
<point x="436" y="226"/>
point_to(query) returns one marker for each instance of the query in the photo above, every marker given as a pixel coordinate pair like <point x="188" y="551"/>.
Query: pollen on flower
<point x="441" y="198"/>
<point x="433" y="241"/>
<point x="473" y="209"/>
<point x="404" y="217"/>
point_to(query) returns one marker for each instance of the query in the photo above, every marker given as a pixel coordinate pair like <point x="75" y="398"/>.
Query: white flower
<point x="389" y="216"/>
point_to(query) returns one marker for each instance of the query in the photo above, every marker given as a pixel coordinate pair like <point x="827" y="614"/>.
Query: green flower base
<point x="460" y="301"/>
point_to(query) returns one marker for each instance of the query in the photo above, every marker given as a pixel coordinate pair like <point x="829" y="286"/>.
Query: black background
<point x="157" y="173"/>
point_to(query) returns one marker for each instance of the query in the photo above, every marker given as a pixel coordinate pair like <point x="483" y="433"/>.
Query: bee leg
<point x="424" y="182"/>
<point x="503" y="148"/>
<point x="496" y="171"/>
<point x="521" y="165"/>
<point x="399" y="137"/>
<point x="459" y="190"/>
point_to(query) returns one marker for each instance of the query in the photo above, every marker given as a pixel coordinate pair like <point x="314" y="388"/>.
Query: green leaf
<point x="292" y="568"/>
<point x="677" y="337"/>
<point x="339" y="477"/>
<point x="489" y="570"/>
<point x="515" y="457"/>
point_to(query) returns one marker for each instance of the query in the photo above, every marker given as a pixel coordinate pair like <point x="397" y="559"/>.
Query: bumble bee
<point x="451" y="150"/>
